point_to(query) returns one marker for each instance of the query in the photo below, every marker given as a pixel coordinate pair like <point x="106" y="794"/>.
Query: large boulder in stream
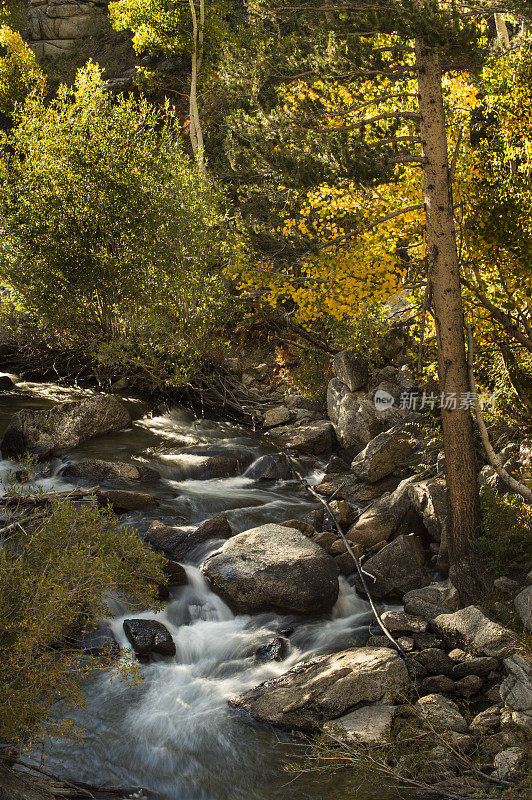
<point x="53" y="431"/>
<point x="273" y="567"/>
<point x="326" y="688"/>
<point x="96" y="470"/>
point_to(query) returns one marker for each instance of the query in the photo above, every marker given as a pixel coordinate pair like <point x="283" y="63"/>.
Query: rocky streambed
<point x="262" y="621"/>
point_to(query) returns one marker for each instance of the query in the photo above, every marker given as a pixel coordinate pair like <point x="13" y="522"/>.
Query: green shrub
<point x="506" y="537"/>
<point x="56" y="570"/>
<point x="110" y="238"/>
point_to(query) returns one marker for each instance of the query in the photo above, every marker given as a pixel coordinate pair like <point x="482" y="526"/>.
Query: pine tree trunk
<point x="444" y="276"/>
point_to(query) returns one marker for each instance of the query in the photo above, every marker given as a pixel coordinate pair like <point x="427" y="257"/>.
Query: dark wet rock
<point x="165" y="538"/>
<point x="468" y="686"/>
<point x="305" y="527"/>
<point x="351" y="370"/>
<point x="336" y="466"/>
<point x="436" y="661"/>
<point x="437" y="684"/>
<point x="215" y="528"/>
<point x="96" y="470"/>
<point x="383" y="454"/>
<point x="122" y="501"/>
<point x="345" y="562"/>
<point x="475" y="666"/>
<point x="286" y="630"/>
<point x="6" y="383"/>
<point x="314" y="438"/>
<point x="270" y="468"/>
<point x="326" y="687"/>
<point x="54" y="431"/>
<point x="276" y="650"/>
<point x="471" y="628"/>
<point x="198" y="466"/>
<point x="396" y="569"/>
<point x="325" y="539"/>
<point x="273" y="567"/>
<point x="149" y="637"/>
<point x="176" y="576"/>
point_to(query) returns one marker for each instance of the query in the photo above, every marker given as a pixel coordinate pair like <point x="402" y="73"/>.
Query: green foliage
<point x="310" y="376"/>
<point x="506" y="537"/>
<point x="166" y="27"/>
<point x="56" y="569"/>
<point x="19" y="73"/>
<point x="14" y="14"/>
<point x="110" y="239"/>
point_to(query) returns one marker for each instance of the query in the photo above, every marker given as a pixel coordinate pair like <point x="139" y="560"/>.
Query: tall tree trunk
<point x="196" y="133"/>
<point x="502" y="31"/>
<point x="444" y="277"/>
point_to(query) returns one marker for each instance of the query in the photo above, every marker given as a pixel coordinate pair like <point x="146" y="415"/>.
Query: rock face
<point x="56" y="26"/>
<point x="149" y="637"/>
<point x="275" y="650"/>
<point x="165" y="538"/>
<point x="313" y="439"/>
<point x="351" y="370"/>
<point x="273" y="567"/>
<point x="326" y="687"/>
<point x="383" y="454"/>
<point x="97" y="470"/>
<point x="523" y="606"/>
<point x="471" y="628"/>
<point x="270" y="468"/>
<point x="367" y="724"/>
<point x="516" y="690"/>
<point x="396" y="569"/>
<point x="430" y="601"/>
<point x="54" y="431"/>
<point x="354" y="417"/>
<point x="441" y="713"/>
<point x="122" y="501"/>
<point x="197" y="466"/>
<point x="387" y="516"/>
<point x="276" y="416"/>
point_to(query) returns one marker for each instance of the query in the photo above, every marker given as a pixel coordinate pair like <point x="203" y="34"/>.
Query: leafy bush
<point x="110" y="238"/>
<point x="55" y="572"/>
<point x="19" y="72"/>
<point x="506" y="537"/>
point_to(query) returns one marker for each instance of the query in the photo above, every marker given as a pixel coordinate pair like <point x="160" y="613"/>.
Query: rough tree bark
<point x="196" y="133"/>
<point x="444" y="277"/>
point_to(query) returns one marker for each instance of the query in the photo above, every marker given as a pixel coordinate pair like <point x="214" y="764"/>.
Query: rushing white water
<point x="175" y="734"/>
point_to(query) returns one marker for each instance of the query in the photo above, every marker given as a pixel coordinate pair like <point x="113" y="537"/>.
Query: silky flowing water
<point x="174" y="734"/>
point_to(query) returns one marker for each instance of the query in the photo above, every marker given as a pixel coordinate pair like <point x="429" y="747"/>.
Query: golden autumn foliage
<point x="19" y="72"/>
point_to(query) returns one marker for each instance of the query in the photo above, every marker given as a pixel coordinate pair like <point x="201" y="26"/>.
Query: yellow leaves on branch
<point x="19" y="72"/>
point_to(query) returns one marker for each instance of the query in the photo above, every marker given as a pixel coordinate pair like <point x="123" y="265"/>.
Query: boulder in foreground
<point x="325" y="688"/>
<point x="273" y="567"/>
<point x="52" y="432"/>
